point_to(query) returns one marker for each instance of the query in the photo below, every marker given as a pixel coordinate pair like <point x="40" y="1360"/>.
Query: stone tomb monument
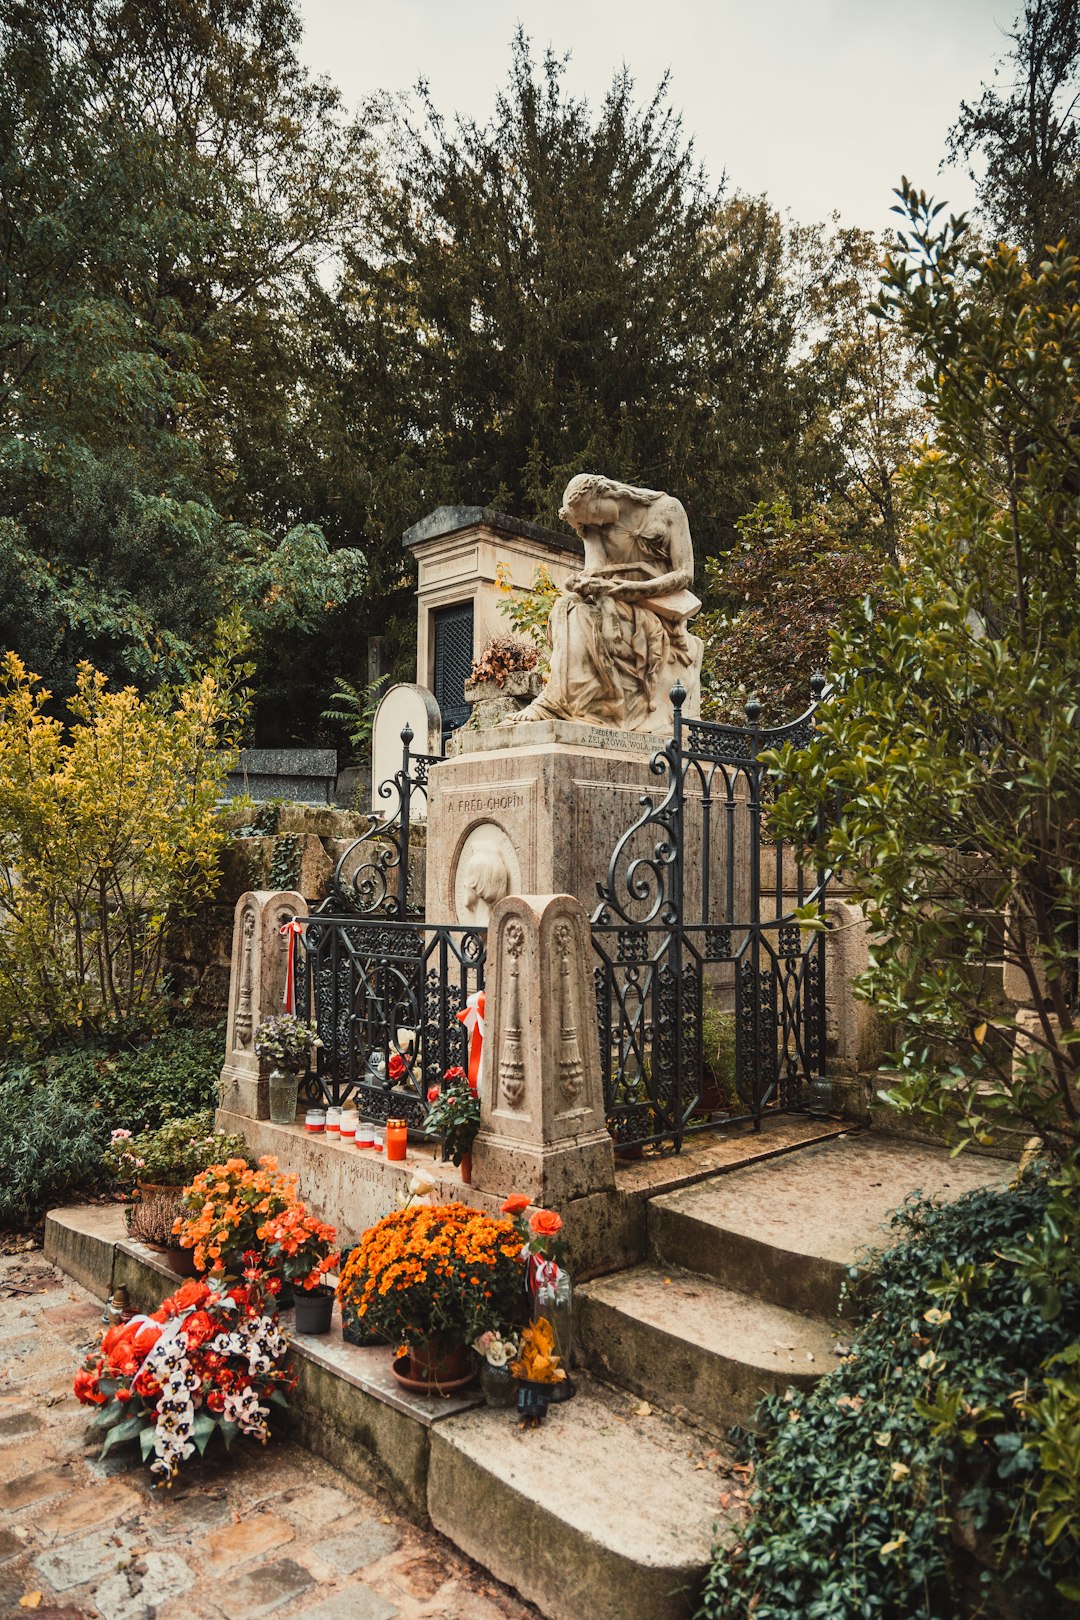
<point x="536" y="804"/>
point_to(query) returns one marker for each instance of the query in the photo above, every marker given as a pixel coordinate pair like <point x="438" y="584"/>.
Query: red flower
<point x="433" y="1094"/>
<point x="198" y="1328"/>
<point x="87" y="1388"/>
<point x="123" y="1396"/>
<point x="397" y="1066"/>
<point x="516" y="1204"/>
<point x="456" y="1073"/>
<point x="216" y="1402"/>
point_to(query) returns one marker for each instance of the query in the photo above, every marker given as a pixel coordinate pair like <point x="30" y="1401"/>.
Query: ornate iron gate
<point x="696" y="940"/>
<point x="383" y="985"/>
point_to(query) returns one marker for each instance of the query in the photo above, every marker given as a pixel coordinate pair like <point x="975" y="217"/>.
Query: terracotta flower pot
<point x="466" y="1169"/>
<point x="181" y="1260"/>
<point x="439" y="1361"/>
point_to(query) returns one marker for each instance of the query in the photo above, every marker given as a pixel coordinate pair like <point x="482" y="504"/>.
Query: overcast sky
<point x="822" y="104"/>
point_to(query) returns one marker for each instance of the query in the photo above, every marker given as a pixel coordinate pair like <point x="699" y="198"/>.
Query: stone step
<point x="600" y="1514"/>
<point x="789" y="1230"/>
<point x="683" y="1340"/>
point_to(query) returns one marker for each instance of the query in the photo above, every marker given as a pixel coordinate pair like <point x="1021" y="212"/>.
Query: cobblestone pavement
<point x="271" y="1531"/>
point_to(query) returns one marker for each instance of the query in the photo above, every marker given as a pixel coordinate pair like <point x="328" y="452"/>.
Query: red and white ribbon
<point x="294" y="930"/>
<point x="545" y="1278"/>
<point x="472" y="1016"/>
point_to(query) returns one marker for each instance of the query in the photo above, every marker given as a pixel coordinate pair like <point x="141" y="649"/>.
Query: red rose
<point x="456" y="1073"/>
<point x="397" y="1066"/>
<point x="545" y="1223"/>
<point x="198" y="1328"/>
<point x="433" y="1094"/>
<point x="516" y="1204"/>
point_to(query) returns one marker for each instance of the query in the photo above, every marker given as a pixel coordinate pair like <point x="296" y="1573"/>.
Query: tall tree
<point x="561" y="288"/>
<point x="1025" y="130"/>
<point x="170" y="179"/>
<point x="865" y="374"/>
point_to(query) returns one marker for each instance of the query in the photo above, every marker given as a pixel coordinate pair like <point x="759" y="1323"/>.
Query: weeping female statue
<point x="618" y="633"/>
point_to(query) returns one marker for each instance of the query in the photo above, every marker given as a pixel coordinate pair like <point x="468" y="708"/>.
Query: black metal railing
<point x="371" y="877"/>
<point x="385" y="996"/>
<point x="696" y="940"/>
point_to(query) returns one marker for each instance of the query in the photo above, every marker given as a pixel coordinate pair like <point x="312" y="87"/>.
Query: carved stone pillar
<point x="542" y="1126"/>
<point x="256" y="987"/>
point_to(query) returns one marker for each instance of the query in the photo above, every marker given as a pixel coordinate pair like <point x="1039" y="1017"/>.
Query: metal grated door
<point x="453" y="661"/>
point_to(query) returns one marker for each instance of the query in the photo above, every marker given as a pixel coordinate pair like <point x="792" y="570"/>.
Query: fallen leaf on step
<point x="725" y="1499"/>
<point x="30" y="1600"/>
<point x="698" y="1468"/>
<point x="643" y="1409"/>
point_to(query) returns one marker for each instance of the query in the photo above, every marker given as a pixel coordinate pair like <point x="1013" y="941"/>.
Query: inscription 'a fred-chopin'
<point x="492" y="801"/>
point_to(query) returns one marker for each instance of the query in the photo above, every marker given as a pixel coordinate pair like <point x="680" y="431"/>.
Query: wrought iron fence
<point x="371" y="877"/>
<point x="385" y="996"/>
<point x="696" y="934"/>
<point x="383" y="987"/>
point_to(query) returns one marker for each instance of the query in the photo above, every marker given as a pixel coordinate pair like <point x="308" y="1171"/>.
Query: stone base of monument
<point x="549" y="799"/>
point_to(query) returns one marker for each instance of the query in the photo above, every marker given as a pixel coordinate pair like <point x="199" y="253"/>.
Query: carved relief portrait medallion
<point x="487" y="869"/>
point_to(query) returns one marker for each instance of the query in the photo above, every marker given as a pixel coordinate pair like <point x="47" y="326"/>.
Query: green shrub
<point x="50" y="1147"/>
<point x="904" y="1486"/>
<point x="58" y="1111"/>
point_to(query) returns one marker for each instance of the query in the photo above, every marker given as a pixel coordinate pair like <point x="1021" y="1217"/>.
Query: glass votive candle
<point x="397" y="1136"/>
<point x="315" y="1119"/>
<point x="333" y="1121"/>
<point x="349" y="1120"/>
<point x="377" y="1141"/>
<point x="365" y="1134"/>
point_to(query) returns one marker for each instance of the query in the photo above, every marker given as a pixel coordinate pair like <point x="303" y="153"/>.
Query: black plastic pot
<point x="314" y="1309"/>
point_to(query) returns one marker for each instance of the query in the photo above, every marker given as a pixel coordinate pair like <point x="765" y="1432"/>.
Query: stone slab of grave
<point x="256" y="989"/>
<point x="406" y="704"/>
<point x="306" y="775"/>
<point x="534" y="809"/>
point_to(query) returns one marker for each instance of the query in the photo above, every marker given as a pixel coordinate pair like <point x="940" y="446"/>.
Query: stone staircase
<point x="743" y="1291"/>
<point x="610" y="1509"/>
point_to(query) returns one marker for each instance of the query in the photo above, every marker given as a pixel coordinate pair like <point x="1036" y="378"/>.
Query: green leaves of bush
<point x="906" y="1484"/>
<point x="57" y="1112"/>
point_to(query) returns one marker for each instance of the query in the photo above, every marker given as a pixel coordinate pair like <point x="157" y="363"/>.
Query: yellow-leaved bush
<point x="109" y="833"/>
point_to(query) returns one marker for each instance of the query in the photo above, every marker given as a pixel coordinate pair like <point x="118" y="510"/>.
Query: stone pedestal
<point x="542" y="1128"/>
<point x="536" y="808"/>
<point x="256" y="987"/>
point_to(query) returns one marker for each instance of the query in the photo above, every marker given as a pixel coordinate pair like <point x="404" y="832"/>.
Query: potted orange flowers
<point x="432" y="1279"/>
<point x="222" y="1211"/>
<point x="301" y="1249"/>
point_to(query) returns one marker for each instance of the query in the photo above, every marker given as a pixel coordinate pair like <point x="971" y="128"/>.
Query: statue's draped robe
<point x="606" y="661"/>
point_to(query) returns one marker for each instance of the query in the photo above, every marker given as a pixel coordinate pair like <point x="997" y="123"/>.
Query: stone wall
<point x="300" y="854"/>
